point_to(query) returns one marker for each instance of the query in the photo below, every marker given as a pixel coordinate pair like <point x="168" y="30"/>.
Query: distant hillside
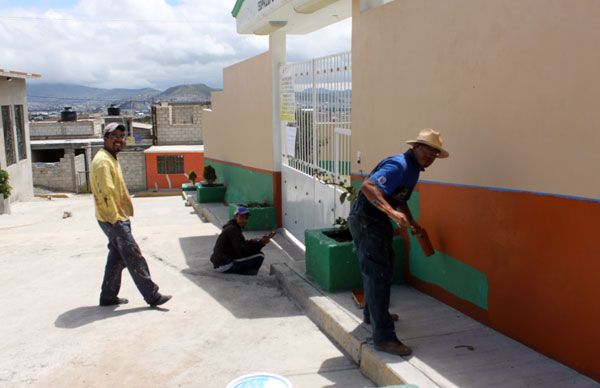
<point x="186" y="93"/>
<point x="55" y="96"/>
<point x="44" y="92"/>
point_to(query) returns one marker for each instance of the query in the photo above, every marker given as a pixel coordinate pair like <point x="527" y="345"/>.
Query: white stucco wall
<point x="13" y="93"/>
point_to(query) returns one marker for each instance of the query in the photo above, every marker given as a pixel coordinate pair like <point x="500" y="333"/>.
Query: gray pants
<point x="123" y="252"/>
<point x="244" y="265"/>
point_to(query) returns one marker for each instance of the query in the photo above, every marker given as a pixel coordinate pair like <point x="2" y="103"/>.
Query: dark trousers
<point x="123" y="252"/>
<point x="373" y="241"/>
<point x="244" y="266"/>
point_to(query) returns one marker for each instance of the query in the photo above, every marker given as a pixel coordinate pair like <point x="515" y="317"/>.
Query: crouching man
<point x="233" y="253"/>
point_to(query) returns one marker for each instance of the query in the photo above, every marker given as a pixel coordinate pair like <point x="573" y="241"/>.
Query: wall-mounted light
<point x="313" y="6"/>
<point x="9" y="79"/>
<point x="270" y="27"/>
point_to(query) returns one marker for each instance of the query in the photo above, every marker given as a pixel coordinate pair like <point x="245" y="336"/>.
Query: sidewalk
<point x="216" y="328"/>
<point x="449" y="348"/>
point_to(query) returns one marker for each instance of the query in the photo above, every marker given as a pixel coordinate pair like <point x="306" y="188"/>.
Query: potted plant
<point x="263" y="216"/>
<point x="209" y="190"/>
<point x="190" y="187"/>
<point x="5" y="190"/>
<point x="330" y="254"/>
<point x="210" y="176"/>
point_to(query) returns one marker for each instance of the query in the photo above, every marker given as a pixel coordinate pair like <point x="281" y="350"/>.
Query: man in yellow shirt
<point x="113" y="209"/>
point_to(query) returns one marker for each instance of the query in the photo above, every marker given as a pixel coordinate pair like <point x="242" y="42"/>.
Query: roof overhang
<point x="262" y="17"/>
<point x="18" y="74"/>
<point x="172" y="149"/>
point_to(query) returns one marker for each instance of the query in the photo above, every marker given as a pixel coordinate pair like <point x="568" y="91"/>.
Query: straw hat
<point x="431" y="138"/>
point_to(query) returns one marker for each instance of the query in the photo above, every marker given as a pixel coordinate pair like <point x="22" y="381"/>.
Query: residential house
<point x="15" y="157"/>
<point x="178" y="148"/>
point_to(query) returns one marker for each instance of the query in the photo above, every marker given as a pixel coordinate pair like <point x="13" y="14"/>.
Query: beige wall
<point x="238" y="129"/>
<point x="512" y="85"/>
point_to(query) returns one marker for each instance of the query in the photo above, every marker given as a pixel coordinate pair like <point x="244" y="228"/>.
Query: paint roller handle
<point x="425" y="243"/>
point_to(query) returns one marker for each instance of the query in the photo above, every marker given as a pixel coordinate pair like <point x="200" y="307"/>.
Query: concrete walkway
<point x="450" y="349"/>
<point x="216" y="328"/>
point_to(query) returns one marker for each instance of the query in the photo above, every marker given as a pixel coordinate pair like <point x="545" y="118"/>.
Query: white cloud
<point x="140" y="43"/>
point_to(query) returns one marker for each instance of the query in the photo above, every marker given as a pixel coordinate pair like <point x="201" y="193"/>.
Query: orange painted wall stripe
<point x="542" y="259"/>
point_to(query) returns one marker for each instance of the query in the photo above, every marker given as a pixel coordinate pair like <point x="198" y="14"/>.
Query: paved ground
<point x="449" y="348"/>
<point x="216" y="327"/>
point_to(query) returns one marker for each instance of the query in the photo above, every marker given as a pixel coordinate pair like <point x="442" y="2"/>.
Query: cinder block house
<point x="178" y="148"/>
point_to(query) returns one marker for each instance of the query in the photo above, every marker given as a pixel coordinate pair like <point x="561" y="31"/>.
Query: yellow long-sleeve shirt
<point x="111" y="196"/>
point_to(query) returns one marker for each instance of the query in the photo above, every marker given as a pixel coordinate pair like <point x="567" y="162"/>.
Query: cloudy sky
<point x="139" y="43"/>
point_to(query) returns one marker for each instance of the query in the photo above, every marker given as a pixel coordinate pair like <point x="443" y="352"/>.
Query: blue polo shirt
<point x="396" y="176"/>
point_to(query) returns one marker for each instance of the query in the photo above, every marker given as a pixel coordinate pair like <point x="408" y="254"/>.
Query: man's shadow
<point x="82" y="316"/>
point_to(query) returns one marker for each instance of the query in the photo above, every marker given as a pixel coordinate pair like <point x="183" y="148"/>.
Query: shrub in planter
<point x="190" y="186"/>
<point x="331" y="259"/>
<point x="210" y="175"/>
<point x="209" y="191"/>
<point x="5" y="190"/>
<point x="330" y="255"/>
<point x="262" y="215"/>
<point x="5" y="187"/>
<point x="213" y="193"/>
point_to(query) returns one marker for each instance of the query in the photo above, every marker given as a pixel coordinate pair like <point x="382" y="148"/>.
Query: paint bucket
<point x="260" y="380"/>
<point x="425" y="243"/>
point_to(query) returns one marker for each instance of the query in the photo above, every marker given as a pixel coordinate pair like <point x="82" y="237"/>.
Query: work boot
<point x="162" y="299"/>
<point x="367" y="319"/>
<point x="113" y="302"/>
<point x="394" y="347"/>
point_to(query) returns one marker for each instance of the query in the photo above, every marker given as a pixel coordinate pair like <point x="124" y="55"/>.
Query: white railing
<point x="316" y="114"/>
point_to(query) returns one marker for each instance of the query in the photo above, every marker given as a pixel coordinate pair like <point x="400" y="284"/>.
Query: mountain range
<point x="55" y="96"/>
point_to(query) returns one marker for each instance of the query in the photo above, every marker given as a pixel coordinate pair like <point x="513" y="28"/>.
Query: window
<point x="170" y="164"/>
<point x="9" y="141"/>
<point x="20" y="126"/>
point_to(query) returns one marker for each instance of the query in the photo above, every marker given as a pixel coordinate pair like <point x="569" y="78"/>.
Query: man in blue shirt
<point x="384" y="196"/>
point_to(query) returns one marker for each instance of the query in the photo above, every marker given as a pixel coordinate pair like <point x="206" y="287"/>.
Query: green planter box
<point x="334" y="265"/>
<point x="206" y="194"/>
<point x="261" y="218"/>
<point x="189" y="186"/>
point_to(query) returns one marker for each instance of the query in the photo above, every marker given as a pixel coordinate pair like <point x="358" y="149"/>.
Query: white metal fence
<point x="316" y="114"/>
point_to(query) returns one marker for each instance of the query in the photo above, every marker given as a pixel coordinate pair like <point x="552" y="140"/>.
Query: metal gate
<point x="316" y="111"/>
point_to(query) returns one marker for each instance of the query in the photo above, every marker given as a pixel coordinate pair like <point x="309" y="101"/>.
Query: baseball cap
<point x="111" y="127"/>
<point x="241" y="210"/>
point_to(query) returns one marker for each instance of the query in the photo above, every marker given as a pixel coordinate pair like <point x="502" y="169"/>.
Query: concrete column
<point x="277" y="47"/>
<point x="70" y="154"/>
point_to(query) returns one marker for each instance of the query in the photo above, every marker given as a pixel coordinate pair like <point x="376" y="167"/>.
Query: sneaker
<point x="161" y="300"/>
<point x="112" y="302"/>
<point x="367" y="319"/>
<point x="394" y="347"/>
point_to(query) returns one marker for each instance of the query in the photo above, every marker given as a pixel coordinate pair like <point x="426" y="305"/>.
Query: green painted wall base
<point x="206" y="194"/>
<point x="334" y="266"/>
<point x="243" y="184"/>
<point x="445" y="271"/>
<point x="189" y="186"/>
<point x="261" y="218"/>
